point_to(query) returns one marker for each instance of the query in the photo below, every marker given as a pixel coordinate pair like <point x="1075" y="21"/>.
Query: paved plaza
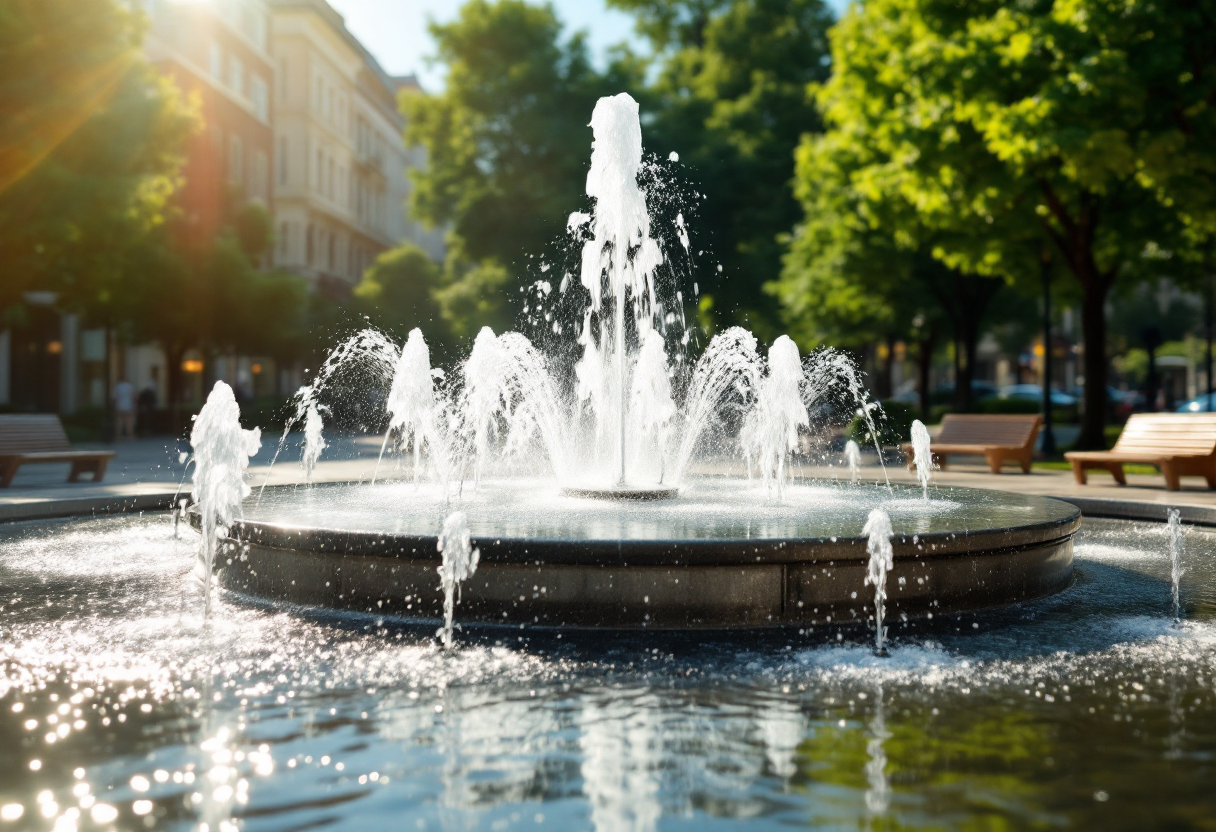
<point x="146" y="474"/>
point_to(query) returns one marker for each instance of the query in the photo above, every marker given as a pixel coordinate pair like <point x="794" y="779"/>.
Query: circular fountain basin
<point x="621" y="492"/>
<point x="724" y="554"/>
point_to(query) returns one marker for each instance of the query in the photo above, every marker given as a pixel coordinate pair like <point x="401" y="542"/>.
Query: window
<point x="236" y="75"/>
<point x="282" y="80"/>
<point x="284" y="246"/>
<point x="236" y="160"/>
<point x="311" y="245"/>
<point x="217" y="60"/>
<point x="282" y="160"/>
<point x="257" y="31"/>
<point x="317" y="185"/>
<point x="329" y="181"/>
<point x="259" y="96"/>
<point x="261" y="175"/>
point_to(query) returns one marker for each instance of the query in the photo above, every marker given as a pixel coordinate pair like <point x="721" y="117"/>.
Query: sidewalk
<point x="146" y="474"/>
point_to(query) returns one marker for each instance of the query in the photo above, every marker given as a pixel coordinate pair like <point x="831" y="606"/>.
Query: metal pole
<point x="1049" y="439"/>
<point x="1207" y="329"/>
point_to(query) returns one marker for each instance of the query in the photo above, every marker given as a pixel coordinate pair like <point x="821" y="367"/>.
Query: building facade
<point x="341" y="175"/>
<point x="297" y="116"/>
<point x="219" y="52"/>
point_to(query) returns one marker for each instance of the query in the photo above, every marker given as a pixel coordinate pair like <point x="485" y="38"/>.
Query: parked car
<point x="1119" y="403"/>
<point x="1199" y="404"/>
<point x="942" y="394"/>
<point x="1034" y="392"/>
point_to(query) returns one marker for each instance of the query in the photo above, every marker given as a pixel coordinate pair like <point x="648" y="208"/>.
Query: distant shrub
<point x="894" y="424"/>
<point x="999" y="405"/>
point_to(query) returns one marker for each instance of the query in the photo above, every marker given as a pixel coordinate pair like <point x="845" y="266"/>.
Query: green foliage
<point x="1002" y="130"/>
<point x="214" y="301"/>
<point x="1133" y="365"/>
<point x="474" y="296"/>
<point x="731" y="98"/>
<point x="507" y="141"/>
<point x="397" y="292"/>
<point x="89" y="148"/>
<point x="894" y="424"/>
<point x="995" y="404"/>
<point x="254" y="230"/>
<point x="1146" y="307"/>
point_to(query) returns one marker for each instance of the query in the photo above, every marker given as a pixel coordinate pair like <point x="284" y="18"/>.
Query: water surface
<point x="119" y="708"/>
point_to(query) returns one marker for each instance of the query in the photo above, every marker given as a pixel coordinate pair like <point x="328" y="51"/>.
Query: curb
<point x="1134" y="510"/>
<point x="163" y="500"/>
<point x="85" y="506"/>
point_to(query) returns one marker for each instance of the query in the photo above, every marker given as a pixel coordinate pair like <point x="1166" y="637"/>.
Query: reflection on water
<point x="878" y="795"/>
<point x="119" y="709"/>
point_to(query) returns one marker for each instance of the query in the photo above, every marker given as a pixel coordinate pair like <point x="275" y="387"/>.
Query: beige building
<point x="340" y="172"/>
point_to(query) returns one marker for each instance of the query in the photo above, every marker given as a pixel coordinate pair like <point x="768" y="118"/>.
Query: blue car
<point x="1199" y="404"/>
<point x="1034" y="392"/>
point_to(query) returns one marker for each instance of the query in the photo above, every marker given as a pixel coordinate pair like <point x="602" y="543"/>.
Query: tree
<point x="214" y="301"/>
<point x="1013" y="129"/>
<point x="507" y="141"/>
<point x="473" y="296"/>
<point x="731" y="99"/>
<point x="397" y="292"/>
<point x="90" y="148"/>
<point x="848" y="279"/>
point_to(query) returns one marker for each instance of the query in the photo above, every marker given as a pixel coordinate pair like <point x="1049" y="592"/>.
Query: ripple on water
<point x="114" y="695"/>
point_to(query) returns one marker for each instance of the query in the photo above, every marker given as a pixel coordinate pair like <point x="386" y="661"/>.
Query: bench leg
<point x="1078" y="471"/>
<point x="95" y="468"/>
<point x="995" y="458"/>
<point x="940" y="459"/>
<point x="7" y="471"/>
<point x="1173" y="482"/>
<point x="1026" y="461"/>
<point x="1116" y="471"/>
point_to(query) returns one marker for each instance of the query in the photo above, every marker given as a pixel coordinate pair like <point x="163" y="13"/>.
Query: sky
<point x="395" y="31"/>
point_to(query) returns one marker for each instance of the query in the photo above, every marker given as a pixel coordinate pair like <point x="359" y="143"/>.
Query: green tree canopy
<point x="731" y="98"/>
<point x="397" y="292"/>
<point x="1002" y="131"/>
<point x="507" y="141"/>
<point x="90" y="147"/>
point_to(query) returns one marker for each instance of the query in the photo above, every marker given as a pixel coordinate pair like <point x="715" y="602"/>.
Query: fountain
<point x="1174" y="531"/>
<point x="222" y="449"/>
<point x="628" y="485"/>
<point x="459" y="564"/>
<point x="878" y="542"/>
<point x="922" y="455"/>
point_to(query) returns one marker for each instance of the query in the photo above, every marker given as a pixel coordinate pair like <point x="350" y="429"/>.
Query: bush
<point x="85" y="425"/>
<point x="894" y="423"/>
<point x="1011" y="405"/>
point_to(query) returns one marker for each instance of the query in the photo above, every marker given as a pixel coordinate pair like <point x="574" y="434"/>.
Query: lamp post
<point x="1049" y="439"/>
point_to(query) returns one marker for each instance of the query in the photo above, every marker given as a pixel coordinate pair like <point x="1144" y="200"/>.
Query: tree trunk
<point x="1093" y="325"/>
<point x="957" y="402"/>
<point x="173" y="382"/>
<point x="924" y="364"/>
<point x="886" y="378"/>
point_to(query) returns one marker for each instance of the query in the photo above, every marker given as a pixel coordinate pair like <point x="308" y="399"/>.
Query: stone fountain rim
<point x="613" y="552"/>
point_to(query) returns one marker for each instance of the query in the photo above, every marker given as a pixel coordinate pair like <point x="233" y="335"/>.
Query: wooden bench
<point x="1180" y="444"/>
<point x="28" y="439"/>
<point x="996" y="438"/>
